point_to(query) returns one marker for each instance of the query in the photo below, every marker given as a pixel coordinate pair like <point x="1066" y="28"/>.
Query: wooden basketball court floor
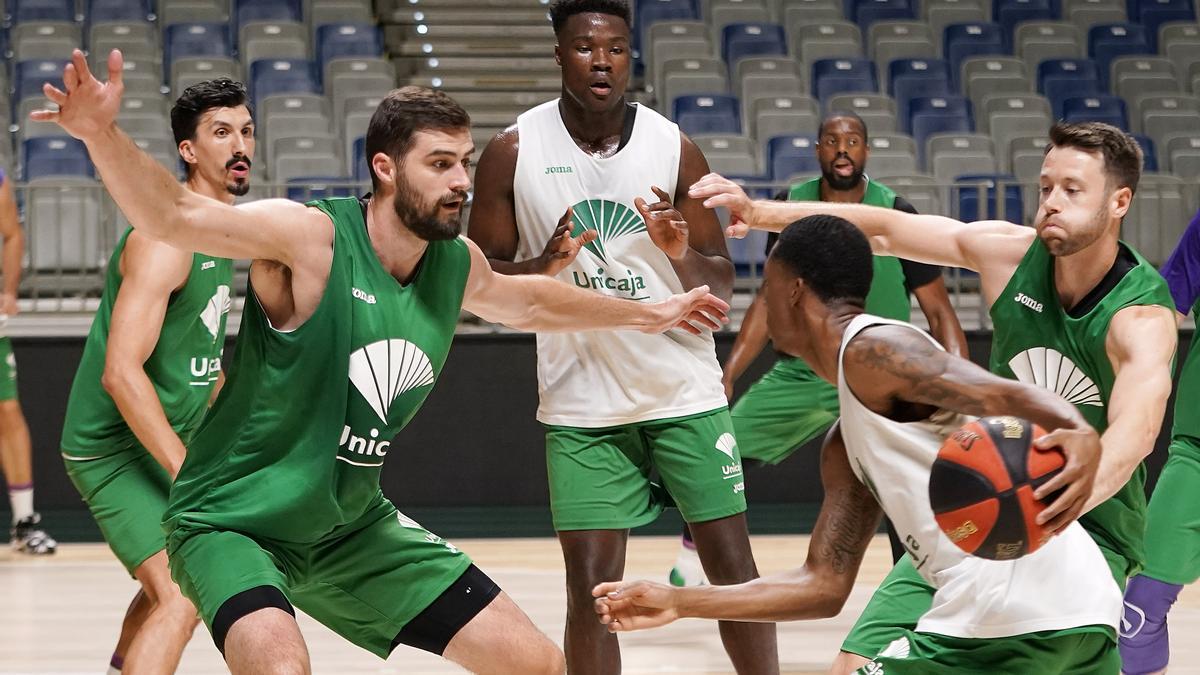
<point x="62" y="614"/>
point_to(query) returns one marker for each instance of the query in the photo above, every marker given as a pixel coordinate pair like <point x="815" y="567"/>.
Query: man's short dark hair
<point x="562" y="10"/>
<point x="201" y="97"/>
<point x="846" y="114"/>
<point x="402" y="113"/>
<point x="1121" y="153"/>
<point x="830" y="255"/>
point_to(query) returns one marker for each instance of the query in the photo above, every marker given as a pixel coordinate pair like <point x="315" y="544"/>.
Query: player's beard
<point x="240" y="186"/>
<point x="842" y="183"/>
<point x="424" y="220"/>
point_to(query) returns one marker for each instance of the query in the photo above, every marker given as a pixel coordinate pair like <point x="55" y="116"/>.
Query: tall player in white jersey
<point x="618" y="407"/>
<point x="901" y="395"/>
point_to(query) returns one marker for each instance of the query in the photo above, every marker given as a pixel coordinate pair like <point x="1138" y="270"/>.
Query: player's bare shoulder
<point x="499" y="156"/>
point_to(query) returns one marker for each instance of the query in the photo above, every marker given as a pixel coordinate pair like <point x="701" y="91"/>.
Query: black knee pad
<point x="246" y="602"/>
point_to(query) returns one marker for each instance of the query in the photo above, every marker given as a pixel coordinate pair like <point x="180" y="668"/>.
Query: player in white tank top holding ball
<point x="592" y="189"/>
<point x="1053" y="611"/>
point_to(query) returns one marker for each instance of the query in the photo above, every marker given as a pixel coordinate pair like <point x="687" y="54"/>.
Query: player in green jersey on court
<point x="16" y="449"/>
<point x="1075" y="310"/>
<point x="789" y="405"/>
<point x="354" y="306"/>
<point x="150" y="368"/>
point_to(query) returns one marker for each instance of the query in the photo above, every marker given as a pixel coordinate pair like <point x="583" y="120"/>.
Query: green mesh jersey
<point x="1038" y="342"/>
<point x="295" y="443"/>
<point x="183" y="367"/>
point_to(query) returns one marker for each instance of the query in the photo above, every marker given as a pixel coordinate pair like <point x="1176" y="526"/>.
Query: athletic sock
<point x="687" y="570"/>
<point x="1145" y="644"/>
<point x="21" y="499"/>
<point x="115" y="664"/>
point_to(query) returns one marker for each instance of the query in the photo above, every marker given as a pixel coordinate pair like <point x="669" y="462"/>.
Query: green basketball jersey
<point x="1036" y="341"/>
<point x="1187" y="422"/>
<point x="184" y="365"/>
<point x="888" y="296"/>
<point x="295" y="443"/>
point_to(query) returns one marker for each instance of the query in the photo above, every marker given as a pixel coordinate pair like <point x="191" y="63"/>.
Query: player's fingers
<point x="566" y="217"/>
<point x="737" y="231"/>
<point x="704" y="320"/>
<point x="722" y="199"/>
<point x="70" y="78"/>
<point x="1063" y="503"/>
<point x="606" y="588"/>
<point x="56" y="95"/>
<point x="44" y="115"/>
<point x="1065" y="517"/>
<point x="116" y="68"/>
<point x="689" y="328"/>
<point x="661" y="193"/>
<point x="587" y="237"/>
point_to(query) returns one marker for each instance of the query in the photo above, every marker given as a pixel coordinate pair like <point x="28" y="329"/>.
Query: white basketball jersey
<point x="600" y="379"/>
<point x="1064" y="584"/>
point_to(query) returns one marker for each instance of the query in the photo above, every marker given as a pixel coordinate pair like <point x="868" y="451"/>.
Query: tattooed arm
<point x="849" y="517"/>
<point x="896" y="372"/>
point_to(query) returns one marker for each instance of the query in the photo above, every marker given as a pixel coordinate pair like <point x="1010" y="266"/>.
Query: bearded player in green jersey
<point x="1075" y="310"/>
<point x="150" y="368"/>
<point x="355" y="304"/>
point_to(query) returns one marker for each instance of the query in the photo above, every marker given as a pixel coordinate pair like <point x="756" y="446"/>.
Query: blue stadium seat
<point x="867" y="12"/>
<point x="647" y="12"/>
<point x="1009" y="13"/>
<point x="23" y="11"/>
<point x="194" y="39"/>
<point x="1061" y="79"/>
<point x="937" y="115"/>
<point x="739" y="40"/>
<point x="961" y="41"/>
<point x="1152" y="14"/>
<point x="246" y="11"/>
<point x="916" y="78"/>
<point x="49" y="156"/>
<point x="305" y="188"/>
<point x="1098" y="108"/>
<point x="708" y="114"/>
<point x="29" y="75"/>
<point x="361" y="172"/>
<point x="1149" y="156"/>
<point x="791" y="155"/>
<point x="346" y="39"/>
<point x="282" y="76"/>
<point x="839" y="76"/>
<point x="1113" y="40"/>
<point x="968" y="197"/>
<point x="100" y="11"/>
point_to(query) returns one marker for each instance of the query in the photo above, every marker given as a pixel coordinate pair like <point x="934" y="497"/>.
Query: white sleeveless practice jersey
<point x="1064" y="584"/>
<point x="600" y="379"/>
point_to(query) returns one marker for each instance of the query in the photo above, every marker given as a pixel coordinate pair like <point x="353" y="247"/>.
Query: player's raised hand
<point x="1082" y="449"/>
<point x="635" y="605"/>
<point x="87" y="107"/>
<point x="717" y="191"/>
<point x="693" y="311"/>
<point x="664" y="223"/>
<point x="562" y="249"/>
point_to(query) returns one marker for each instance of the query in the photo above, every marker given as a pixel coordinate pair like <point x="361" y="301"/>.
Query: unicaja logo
<point x="1029" y="302"/>
<point x="609" y="219"/>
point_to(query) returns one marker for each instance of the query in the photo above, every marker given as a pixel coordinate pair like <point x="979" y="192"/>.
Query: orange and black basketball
<point x="982" y="483"/>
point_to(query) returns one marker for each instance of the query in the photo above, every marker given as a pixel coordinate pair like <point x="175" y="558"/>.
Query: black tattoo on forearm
<point x="848" y="520"/>
<point x="922" y="367"/>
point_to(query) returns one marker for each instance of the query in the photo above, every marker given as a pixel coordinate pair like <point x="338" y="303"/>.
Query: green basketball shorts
<point x="786" y="408"/>
<point x="600" y="479"/>
<point x="1090" y="650"/>
<point x="127" y="495"/>
<point x="8" y="370"/>
<point x="1173" y="521"/>
<point x="365" y="581"/>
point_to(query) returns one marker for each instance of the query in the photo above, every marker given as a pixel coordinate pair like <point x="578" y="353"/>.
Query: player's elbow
<point x="116" y="378"/>
<point x="833" y="599"/>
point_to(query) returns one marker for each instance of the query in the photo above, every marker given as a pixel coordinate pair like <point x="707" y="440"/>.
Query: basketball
<point x="982" y="483"/>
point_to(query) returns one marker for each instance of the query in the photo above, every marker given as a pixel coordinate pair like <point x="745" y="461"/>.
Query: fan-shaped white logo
<point x="384" y="370"/>
<point x="898" y="649"/>
<point x="218" y="306"/>
<point x="726" y="444"/>
<point x="1050" y="369"/>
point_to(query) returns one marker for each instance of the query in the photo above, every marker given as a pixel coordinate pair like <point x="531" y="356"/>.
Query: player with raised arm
<point x="619" y="406"/>
<point x="1075" y="309"/>
<point x="352" y="306"/>
<point x="150" y="368"/>
<point x="901" y="395"/>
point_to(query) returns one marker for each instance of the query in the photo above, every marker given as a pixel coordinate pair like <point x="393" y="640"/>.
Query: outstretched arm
<point x="885" y="364"/>
<point x="1140" y="345"/>
<point x="150" y="197"/>
<point x="980" y="246"/>
<point x="541" y="304"/>
<point x="943" y="320"/>
<point x="849" y="517"/>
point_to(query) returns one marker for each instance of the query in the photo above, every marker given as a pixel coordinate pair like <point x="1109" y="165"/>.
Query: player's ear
<point x="557" y="56"/>
<point x="385" y="168"/>
<point x="798" y="289"/>
<point x="1120" y="200"/>
<point x="187" y="150"/>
